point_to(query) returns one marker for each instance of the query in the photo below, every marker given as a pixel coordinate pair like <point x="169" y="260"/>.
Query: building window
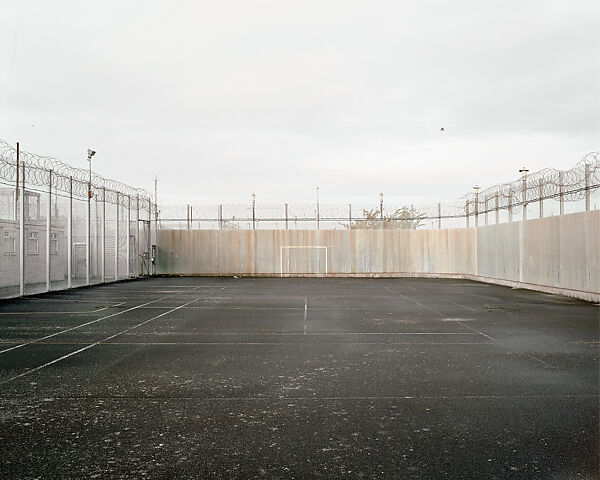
<point x="54" y="243"/>
<point x="7" y="204"/>
<point x="33" y="245"/>
<point x="10" y="241"/>
<point x="32" y="206"/>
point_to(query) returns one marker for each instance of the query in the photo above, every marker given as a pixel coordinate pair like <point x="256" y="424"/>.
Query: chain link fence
<point x="63" y="227"/>
<point x="543" y="193"/>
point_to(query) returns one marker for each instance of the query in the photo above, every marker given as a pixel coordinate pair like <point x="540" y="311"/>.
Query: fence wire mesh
<point x="545" y="192"/>
<point x="62" y="227"/>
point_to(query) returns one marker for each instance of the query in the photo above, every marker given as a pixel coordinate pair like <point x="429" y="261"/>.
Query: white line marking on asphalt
<point x="335" y="399"/>
<point x="305" y="314"/>
<point x="475" y="330"/>
<point x="461" y="305"/>
<point x="268" y="343"/>
<point x="439" y="313"/>
<point x="55" y="313"/>
<point x="87" y="347"/>
<point x="414" y="301"/>
<point x="82" y="325"/>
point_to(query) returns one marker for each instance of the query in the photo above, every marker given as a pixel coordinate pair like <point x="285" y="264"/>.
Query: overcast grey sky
<point x="222" y="99"/>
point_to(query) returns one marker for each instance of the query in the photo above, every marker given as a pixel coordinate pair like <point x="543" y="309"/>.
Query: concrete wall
<point x="335" y="252"/>
<point x="556" y="254"/>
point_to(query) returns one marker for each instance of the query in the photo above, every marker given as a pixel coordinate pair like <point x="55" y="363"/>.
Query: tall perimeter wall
<point x="555" y="254"/>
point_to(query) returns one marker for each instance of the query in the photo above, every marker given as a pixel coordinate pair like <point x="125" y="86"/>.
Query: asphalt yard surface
<point x="299" y="378"/>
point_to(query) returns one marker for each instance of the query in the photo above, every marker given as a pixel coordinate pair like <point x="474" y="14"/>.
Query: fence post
<point x="137" y="235"/>
<point x="150" y="236"/>
<point x="541" y="198"/>
<point x="96" y="239"/>
<point x="253" y="212"/>
<point x="497" y="210"/>
<point x="467" y="212"/>
<point x="103" y="245"/>
<point x="117" y="239"/>
<point x="350" y="215"/>
<point x="221" y="217"/>
<point x="127" y="245"/>
<point x="524" y="192"/>
<point x="17" y="185"/>
<point x="88" y="235"/>
<point x="318" y="212"/>
<point x="48" y="229"/>
<point x="286" y="216"/>
<point x="486" y="211"/>
<point x="587" y="187"/>
<point x="439" y="216"/>
<point x="70" y="237"/>
<point x="560" y="193"/>
<point x="476" y="206"/>
<point x="510" y="212"/>
<point x="156" y="214"/>
<point x="22" y="234"/>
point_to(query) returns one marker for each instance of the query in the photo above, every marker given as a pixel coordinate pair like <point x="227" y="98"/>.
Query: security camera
<point x="91" y="153"/>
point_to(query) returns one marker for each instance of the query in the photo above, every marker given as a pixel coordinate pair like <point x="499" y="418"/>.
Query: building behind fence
<point x="62" y="227"/>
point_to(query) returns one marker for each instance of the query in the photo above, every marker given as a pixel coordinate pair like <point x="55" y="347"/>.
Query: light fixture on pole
<point x="90" y="153"/>
<point x="523" y="173"/>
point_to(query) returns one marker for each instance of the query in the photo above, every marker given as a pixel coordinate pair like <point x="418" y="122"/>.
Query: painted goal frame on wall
<point x="287" y="247"/>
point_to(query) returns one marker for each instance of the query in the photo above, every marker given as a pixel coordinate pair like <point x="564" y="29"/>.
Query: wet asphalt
<point x="299" y="378"/>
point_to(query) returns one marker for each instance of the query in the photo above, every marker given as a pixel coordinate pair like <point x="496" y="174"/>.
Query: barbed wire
<point x="549" y="183"/>
<point x="546" y="184"/>
<point x="43" y="171"/>
<point x="570" y="185"/>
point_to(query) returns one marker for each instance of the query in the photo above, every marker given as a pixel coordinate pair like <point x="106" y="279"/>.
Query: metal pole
<point x="220" y="217"/>
<point x="510" y="216"/>
<point x="541" y="198"/>
<point x="350" y="215"/>
<point x="156" y="207"/>
<point x="117" y="239"/>
<point x="149" y="237"/>
<point x="48" y="229"/>
<point x="467" y="211"/>
<point x="137" y="235"/>
<point x="560" y="193"/>
<point x="497" y="210"/>
<point x="127" y="245"/>
<point x="485" y="206"/>
<point x="17" y="184"/>
<point x="103" y="245"/>
<point x="191" y="218"/>
<point x="286" y="216"/>
<point x="381" y="208"/>
<point x="587" y="187"/>
<point x="96" y="237"/>
<point x="88" y="234"/>
<point x="156" y="217"/>
<point x="477" y="207"/>
<point x="318" y="213"/>
<point x="187" y="216"/>
<point x="22" y="234"/>
<point x="524" y="192"/>
<point x="439" y="216"/>
<point x="70" y="237"/>
<point x="253" y="212"/>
